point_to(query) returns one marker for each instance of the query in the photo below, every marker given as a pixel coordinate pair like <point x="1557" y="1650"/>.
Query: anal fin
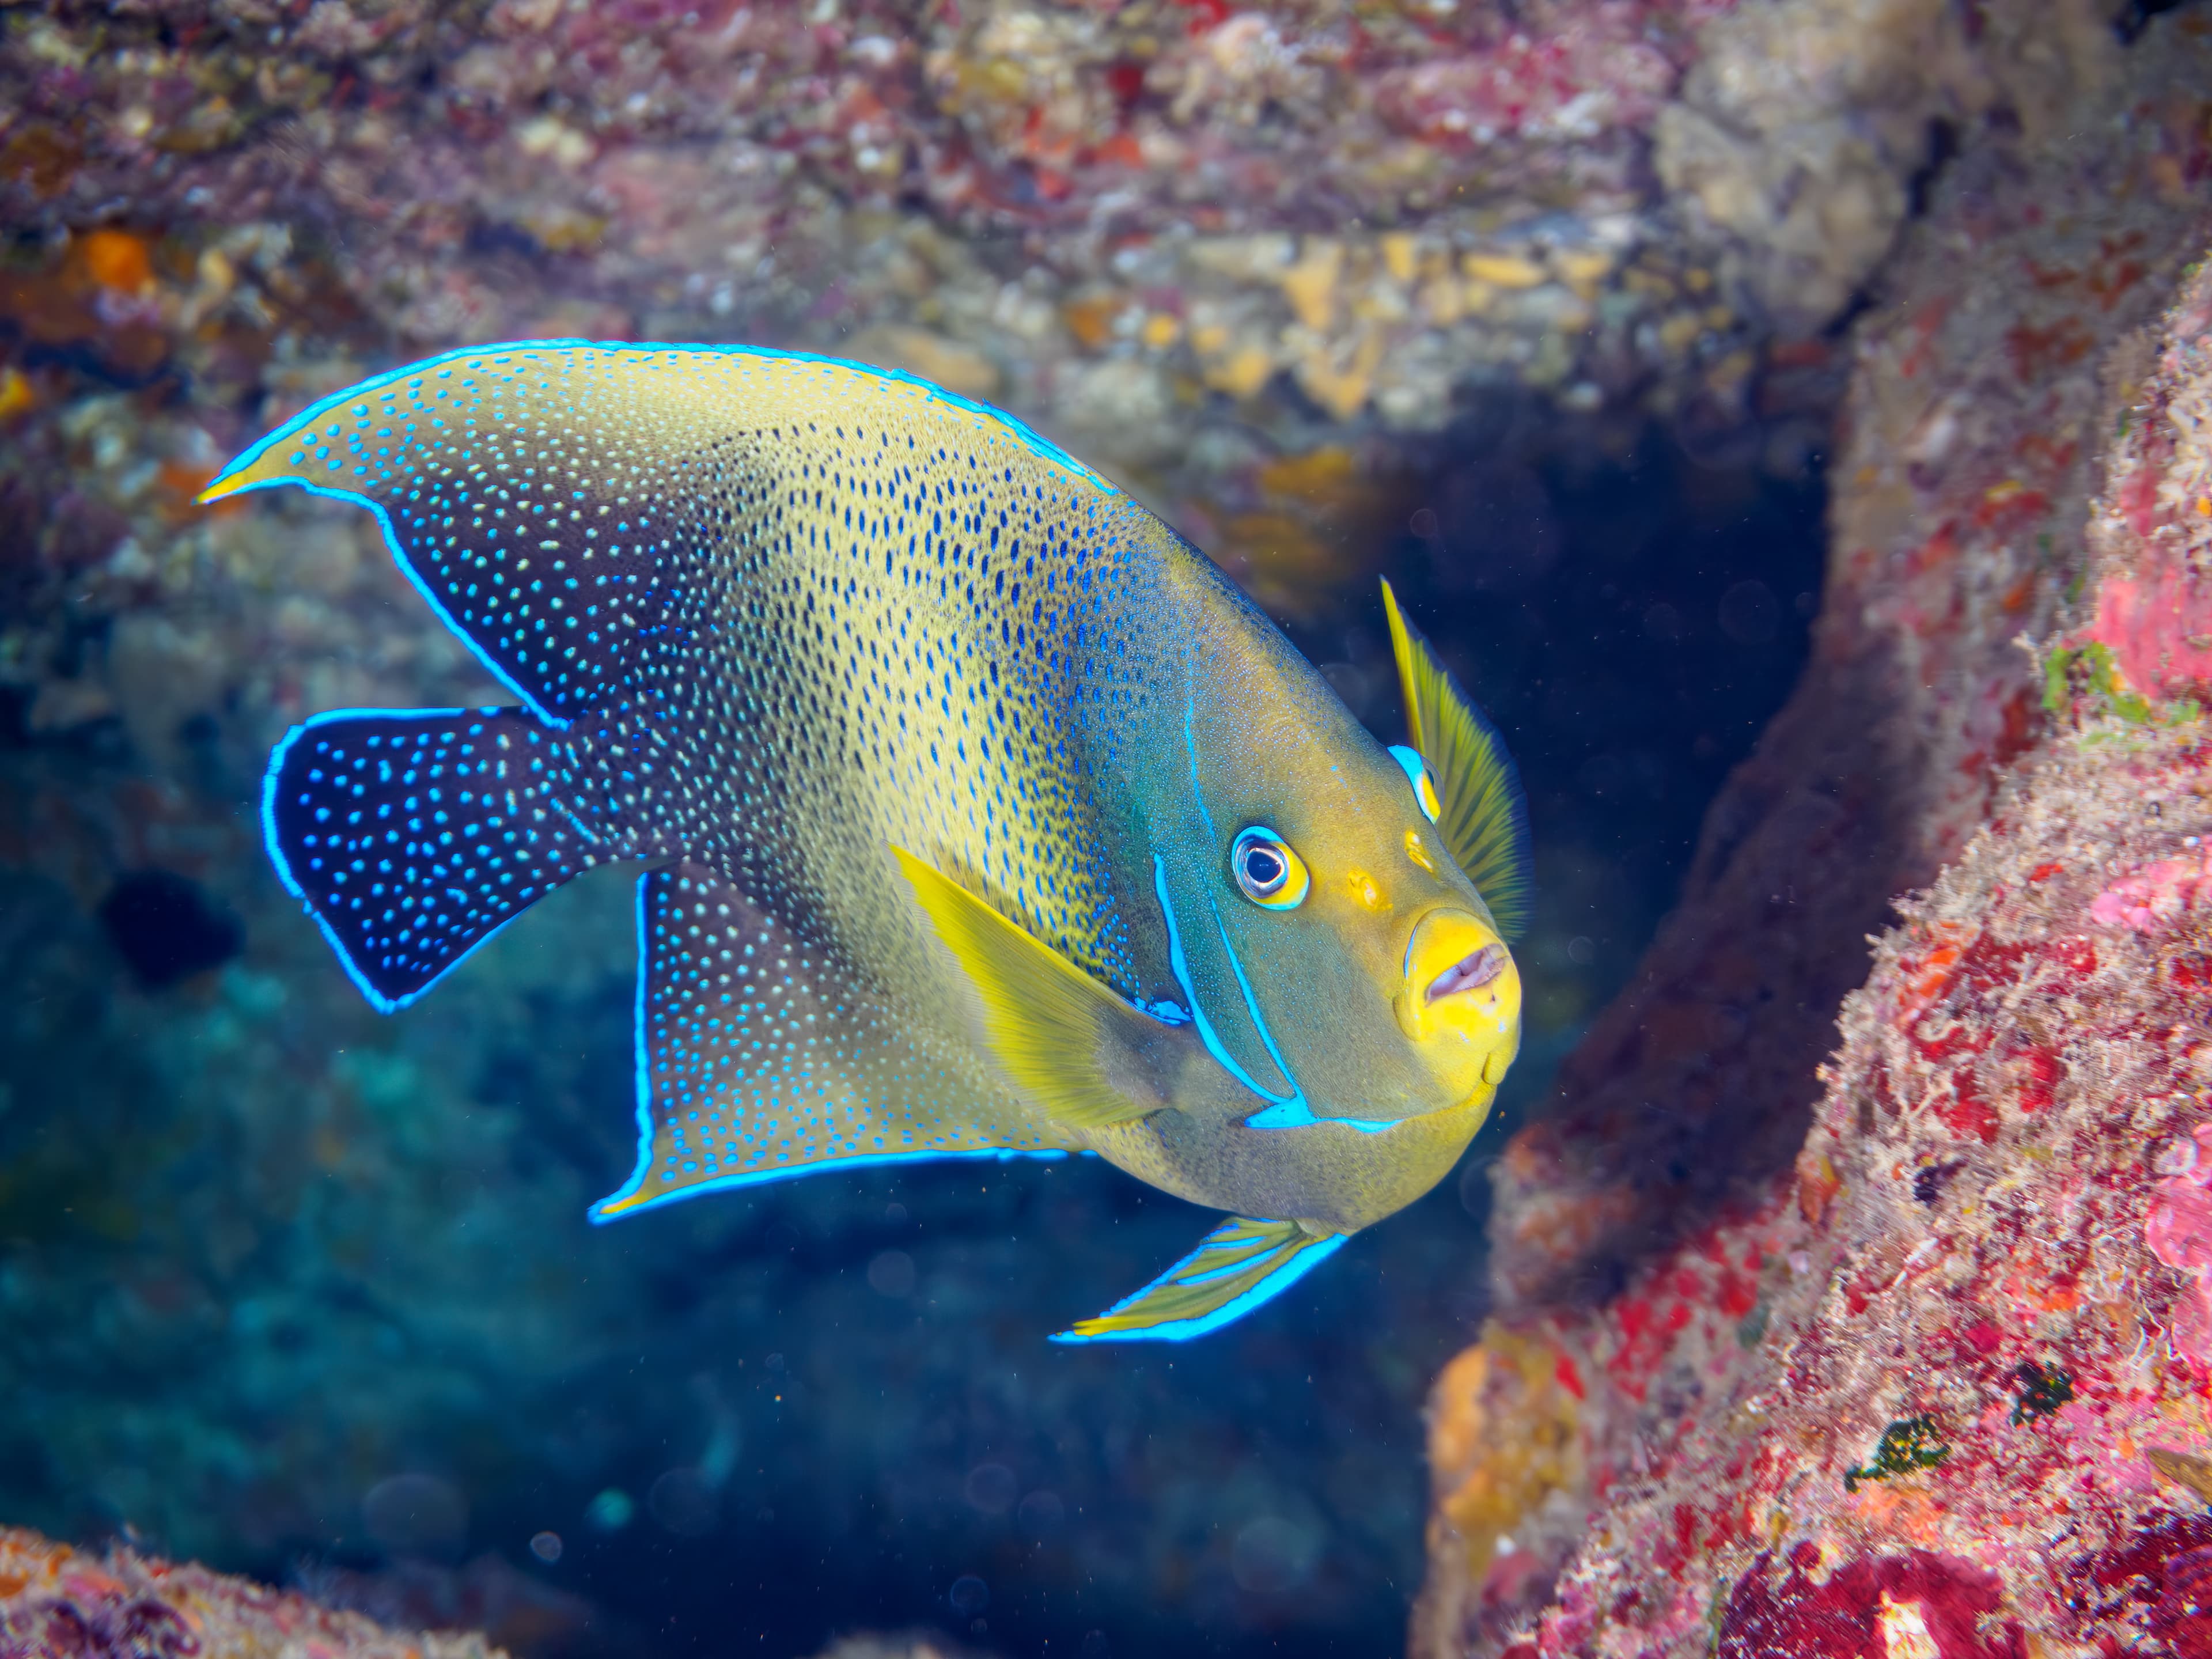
<point x="1237" y="1267"/>
<point x="760" y="1058"/>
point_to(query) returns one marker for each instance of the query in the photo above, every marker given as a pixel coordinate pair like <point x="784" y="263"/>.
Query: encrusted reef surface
<point x="1113" y="217"/>
<point x="56" y="1600"/>
<point x="1968" y="455"/>
<point x="1938" y="1386"/>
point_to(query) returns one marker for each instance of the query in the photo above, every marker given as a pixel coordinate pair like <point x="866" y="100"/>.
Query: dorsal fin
<point x="534" y="492"/>
<point x="1485" y="819"/>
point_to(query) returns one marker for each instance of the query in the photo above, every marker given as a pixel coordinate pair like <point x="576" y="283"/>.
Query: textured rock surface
<point x="1116" y="218"/>
<point x="57" y="1602"/>
<point x="1961" y="487"/>
<point x="1938" y="1386"/>
<point x="122" y="1605"/>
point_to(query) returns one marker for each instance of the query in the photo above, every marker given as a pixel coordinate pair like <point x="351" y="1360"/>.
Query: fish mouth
<point x="1472" y="972"/>
<point x="1461" y="996"/>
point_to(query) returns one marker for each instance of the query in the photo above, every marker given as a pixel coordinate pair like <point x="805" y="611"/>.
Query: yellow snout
<point x="1460" y="1000"/>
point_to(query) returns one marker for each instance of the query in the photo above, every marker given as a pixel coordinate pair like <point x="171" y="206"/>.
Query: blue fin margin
<point x="623" y="1201"/>
<point x="1036" y="442"/>
<point x="1181" y="1304"/>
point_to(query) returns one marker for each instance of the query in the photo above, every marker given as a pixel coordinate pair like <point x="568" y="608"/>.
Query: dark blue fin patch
<point x="758" y="1059"/>
<point x="1237" y="1267"/>
<point x="413" y="837"/>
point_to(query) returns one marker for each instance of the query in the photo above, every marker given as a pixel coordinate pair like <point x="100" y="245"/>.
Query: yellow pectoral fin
<point x="1083" y="1057"/>
<point x="1237" y="1267"/>
<point x="1483" y="818"/>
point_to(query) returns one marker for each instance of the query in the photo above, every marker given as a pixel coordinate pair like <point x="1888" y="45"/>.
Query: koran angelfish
<point x="982" y="815"/>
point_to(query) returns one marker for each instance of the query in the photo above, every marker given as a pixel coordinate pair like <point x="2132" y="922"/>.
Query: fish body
<point x="982" y="816"/>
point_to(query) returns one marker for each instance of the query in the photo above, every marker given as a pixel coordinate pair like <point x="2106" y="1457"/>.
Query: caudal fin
<point x="413" y="837"/>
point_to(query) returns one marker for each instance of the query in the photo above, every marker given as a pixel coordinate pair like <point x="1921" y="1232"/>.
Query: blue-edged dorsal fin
<point x="1078" y="1052"/>
<point x="1484" y="818"/>
<point x="547" y="497"/>
<point x="413" y="837"/>
<point x="759" y="1058"/>
<point x="1238" y="1266"/>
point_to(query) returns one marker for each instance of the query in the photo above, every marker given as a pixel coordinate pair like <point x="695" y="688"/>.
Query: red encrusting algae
<point x="1872" y="1608"/>
<point x="1939" y="1384"/>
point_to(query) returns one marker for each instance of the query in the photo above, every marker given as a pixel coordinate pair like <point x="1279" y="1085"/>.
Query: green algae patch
<point x="2098" y="680"/>
<point x="1909" y="1444"/>
<point x="2043" y="1390"/>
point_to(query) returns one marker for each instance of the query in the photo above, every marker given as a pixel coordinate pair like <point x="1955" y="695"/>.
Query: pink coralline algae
<point x="2158" y="625"/>
<point x="2178" y="1230"/>
<point x="2155" y="896"/>
<point x="1914" y="1604"/>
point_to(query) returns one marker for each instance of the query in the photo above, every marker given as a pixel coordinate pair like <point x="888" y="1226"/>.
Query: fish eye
<point x="1417" y="773"/>
<point x="1267" y="873"/>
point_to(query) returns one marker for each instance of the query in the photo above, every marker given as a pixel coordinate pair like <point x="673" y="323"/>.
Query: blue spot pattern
<point x="413" y="837"/>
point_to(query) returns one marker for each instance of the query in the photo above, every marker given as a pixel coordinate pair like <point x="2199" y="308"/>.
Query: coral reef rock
<point x="1938" y="1383"/>
<point x="1972" y="435"/>
<point x="1104" y="214"/>
<point x="122" y="1605"/>
<point x="56" y="1600"/>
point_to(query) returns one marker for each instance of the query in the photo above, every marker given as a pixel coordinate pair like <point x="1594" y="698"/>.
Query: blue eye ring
<point x="1417" y="773"/>
<point x="1267" y="870"/>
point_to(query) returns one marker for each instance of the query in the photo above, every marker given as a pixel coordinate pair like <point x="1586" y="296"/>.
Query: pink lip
<point x="1477" y="969"/>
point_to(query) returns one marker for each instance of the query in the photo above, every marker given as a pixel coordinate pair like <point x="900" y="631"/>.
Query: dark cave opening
<point x="1631" y="616"/>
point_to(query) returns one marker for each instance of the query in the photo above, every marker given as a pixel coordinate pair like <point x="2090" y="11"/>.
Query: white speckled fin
<point x="532" y="491"/>
<point x="414" y="837"/>
<point x="1237" y="1267"/>
<point x="755" y="1062"/>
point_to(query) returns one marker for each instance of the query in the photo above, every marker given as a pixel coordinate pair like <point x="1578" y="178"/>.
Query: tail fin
<point x="413" y="837"/>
